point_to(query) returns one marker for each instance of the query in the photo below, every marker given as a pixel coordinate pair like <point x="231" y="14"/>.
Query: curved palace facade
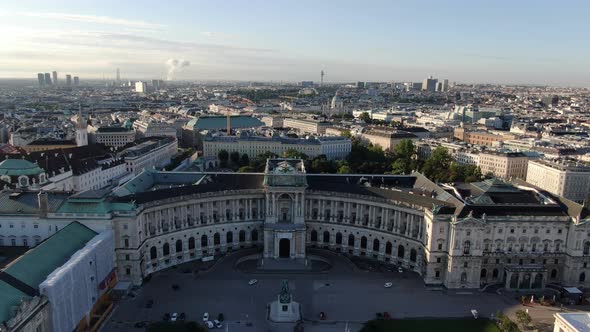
<point x="457" y="236"/>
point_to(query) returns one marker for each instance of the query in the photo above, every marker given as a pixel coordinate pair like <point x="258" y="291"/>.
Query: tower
<point x="322" y="77"/>
<point x="81" y="130"/>
<point x="54" y="74"/>
<point x="41" y="79"/>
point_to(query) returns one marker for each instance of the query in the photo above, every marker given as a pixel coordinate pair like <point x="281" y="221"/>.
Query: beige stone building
<point x="567" y="179"/>
<point x="503" y="165"/>
<point x="306" y="126"/>
<point x="386" y="138"/>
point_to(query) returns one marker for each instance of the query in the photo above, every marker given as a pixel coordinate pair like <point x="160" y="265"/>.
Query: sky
<point x="470" y="41"/>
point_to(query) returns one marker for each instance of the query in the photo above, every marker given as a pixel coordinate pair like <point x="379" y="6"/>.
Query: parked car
<point x="182" y="316"/>
<point x="210" y="324"/>
<point x="400" y="269"/>
<point x="174" y="317"/>
<point x="217" y="324"/>
<point x="252" y="282"/>
<point x="388" y="285"/>
<point x="206" y="317"/>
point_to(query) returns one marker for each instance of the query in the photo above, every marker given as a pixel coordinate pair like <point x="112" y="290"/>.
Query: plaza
<point x="346" y="294"/>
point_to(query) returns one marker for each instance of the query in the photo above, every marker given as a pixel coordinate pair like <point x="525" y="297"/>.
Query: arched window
<point x="351" y="240"/>
<point x="553" y="274"/>
<point x="413" y="255"/>
<point x="466" y="247"/>
<point x="463" y="277"/>
<point x="338" y="238"/>
<point x="363" y="242"/>
<point x="314" y="235"/>
<point x="23" y="181"/>
<point x="191" y="243"/>
<point x="400" y="251"/>
<point x="388" y="248"/>
<point x="178" y="245"/>
<point x="204" y="241"/>
<point x="326" y="237"/>
<point x="582" y="277"/>
<point x="166" y="249"/>
<point x="242" y="236"/>
<point x="216" y="239"/>
<point x="495" y="274"/>
<point x="153" y="253"/>
<point x="254" y="235"/>
<point x="587" y="248"/>
<point x="229" y="237"/>
<point x="483" y="274"/>
<point x="375" y="245"/>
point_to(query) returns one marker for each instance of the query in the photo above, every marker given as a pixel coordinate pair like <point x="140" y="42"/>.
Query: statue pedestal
<point x="284" y="309"/>
<point x="284" y="312"/>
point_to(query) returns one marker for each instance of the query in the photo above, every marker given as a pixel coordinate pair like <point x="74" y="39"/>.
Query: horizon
<point x="532" y="43"/>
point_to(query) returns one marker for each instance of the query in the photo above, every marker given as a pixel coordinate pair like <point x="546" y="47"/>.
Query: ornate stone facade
<point x="460" y="236"/>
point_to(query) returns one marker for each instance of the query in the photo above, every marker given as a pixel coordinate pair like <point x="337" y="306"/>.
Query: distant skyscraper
<point x="118" y="75"/>
<point x="47" y="79"/>
<point x="76" y="81"/>
<point x="140" y="87"/>
<point x="445" y="85"/>
<point x="54" y="77"/>
<point x="41" y="79"/>
<point x="429" y="84"/>
<point x="69" y="80"/>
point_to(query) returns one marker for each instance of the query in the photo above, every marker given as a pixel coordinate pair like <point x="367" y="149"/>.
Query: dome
<point x="17" y="167"/>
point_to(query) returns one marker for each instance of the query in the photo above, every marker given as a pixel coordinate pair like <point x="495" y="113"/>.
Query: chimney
<point x="43" y="203"/>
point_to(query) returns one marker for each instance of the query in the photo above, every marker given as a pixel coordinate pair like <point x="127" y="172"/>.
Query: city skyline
<point x="522" y="43"/>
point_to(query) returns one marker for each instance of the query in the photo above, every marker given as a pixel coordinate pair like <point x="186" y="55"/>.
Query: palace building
<point x="461" y="235"/>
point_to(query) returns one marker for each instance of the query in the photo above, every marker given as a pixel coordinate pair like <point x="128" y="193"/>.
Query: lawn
<point x="437" y="325"/>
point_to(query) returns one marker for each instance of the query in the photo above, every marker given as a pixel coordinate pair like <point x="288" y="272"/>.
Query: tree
<point x="365" y="117"/>
<point x="404" y="153"/>
<point x="437" y="166"/>
<point x="344" y="169"/>
<point x="505" y="324"/>
<point x="223" y="156"/>
<point x="346" y="133"/>
<point x="292" y="153"/>
<point x="523" y="318"/>
<point x="234" y="157"/>
<point x="244" y="160"/>
<point x="246" y="169"/>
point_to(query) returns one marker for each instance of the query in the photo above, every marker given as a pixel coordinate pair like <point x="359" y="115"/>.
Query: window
<point x="127" y="257"/>
<point x="512" y="231"/>
<point x="440" y="246"/>
<point x="438" y="260"/>
<point x="465" y="264"/>
<point x="499" y="230"/>
<point x="127" y="271"/>
<point x="559" y="231"/>
<point x="466" y="247"/>
<point x="125" y="226"/>
<point x="126" y="243"/>
<point x="437" y="274"/>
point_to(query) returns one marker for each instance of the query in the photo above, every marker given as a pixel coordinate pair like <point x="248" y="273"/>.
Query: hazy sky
<point x="503" y="41"/>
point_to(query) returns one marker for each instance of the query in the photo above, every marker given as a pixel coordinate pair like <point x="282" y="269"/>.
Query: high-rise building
<point x="54" y="77"/>
<point x="429" y="84"/>
<point x="76" y="81"/>
<point x="445" y="85"/>
<point x="47" y="79"/>
<point x="140" y="87"/>
<point x="69" y="80"/>
<point x="158" y="84"/>
<point x="118" y="76"/>
<point x="41" y="79"/>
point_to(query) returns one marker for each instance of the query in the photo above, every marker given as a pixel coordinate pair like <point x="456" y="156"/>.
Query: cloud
<point x="106" y="20"/>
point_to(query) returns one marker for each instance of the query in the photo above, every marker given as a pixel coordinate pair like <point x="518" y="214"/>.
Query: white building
<point x="141" y="87"/>
<point x="306" y="126"/>
<point x="150" y="128"/>
<point x="504" y="165"/>
<point x="567" y="179"/>
<point x="152" y="153"/>
<point x="112" y="136"/>
<point x="333" y="147"/>
<point x="572" y="322"/>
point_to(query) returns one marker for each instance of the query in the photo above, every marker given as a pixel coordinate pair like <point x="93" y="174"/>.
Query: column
<point x="508" y="278"/>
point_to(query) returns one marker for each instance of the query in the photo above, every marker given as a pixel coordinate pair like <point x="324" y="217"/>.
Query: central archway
<point x="284" y="248"/>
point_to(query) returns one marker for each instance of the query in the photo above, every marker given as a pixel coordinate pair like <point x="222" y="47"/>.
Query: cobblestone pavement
<point x="345" y="294"/>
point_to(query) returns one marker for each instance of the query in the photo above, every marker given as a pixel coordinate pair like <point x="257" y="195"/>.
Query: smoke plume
<point x="174" y="66"/>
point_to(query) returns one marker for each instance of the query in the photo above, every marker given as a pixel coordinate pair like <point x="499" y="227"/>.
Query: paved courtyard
<point x="346" y="295"/>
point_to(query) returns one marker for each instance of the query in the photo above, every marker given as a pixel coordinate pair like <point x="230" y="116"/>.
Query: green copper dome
<point x="17" y="167"/>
